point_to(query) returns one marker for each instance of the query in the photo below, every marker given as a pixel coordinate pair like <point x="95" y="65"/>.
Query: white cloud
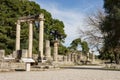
<point x="73" y="20"/>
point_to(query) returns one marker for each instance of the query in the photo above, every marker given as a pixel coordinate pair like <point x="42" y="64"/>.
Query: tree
<point x="75" y="43"/>
<point x="85" y="48"/>
<point x="111" y="27"/>
<point x="11" y="10"/>
<point x="94" y="35"/>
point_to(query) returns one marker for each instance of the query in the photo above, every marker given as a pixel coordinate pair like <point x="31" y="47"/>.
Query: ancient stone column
<point x="55" y="54"/>
<point x="30" y="39"/>
<point x="41" y="35"/>
<point x="48" y="50"/>
<point x="75" y="58"/>
<point x="68" y="57"/>
<point x="17" y="36"/>
<point x="65" y="58"/>
<point x="71" y="57"/>
<point x="93" y="58"/>
<point x="78" y="57"/>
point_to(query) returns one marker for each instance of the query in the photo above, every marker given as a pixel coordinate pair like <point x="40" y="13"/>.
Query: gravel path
<point x="74" y="73"/>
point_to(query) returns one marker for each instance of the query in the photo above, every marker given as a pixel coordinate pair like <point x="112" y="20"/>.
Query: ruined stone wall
<point x="12" y="66"/>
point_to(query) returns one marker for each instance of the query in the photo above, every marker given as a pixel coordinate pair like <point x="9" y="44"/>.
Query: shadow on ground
<point x="89" y="68"/>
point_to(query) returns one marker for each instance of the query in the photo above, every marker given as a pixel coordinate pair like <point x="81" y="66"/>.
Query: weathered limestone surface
<point x="55" y="54"/>
<point x="24" y="53"/>
<point x="14" y="54"/>
<point x="8" y="65"/>
<point x="41" y="33"/>
<point x="18" y="36"/>
<point x="30" y="39"/>
<point x="2" y="54"/>
<point x="48" y="50"/>
<point x="20" y="54"/>
<point x="93" y="58"/>
<point x="65" y="58"/>
<point x="30" y="19"/>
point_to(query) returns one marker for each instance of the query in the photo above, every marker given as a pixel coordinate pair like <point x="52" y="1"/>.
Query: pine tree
<point x="10" y="11"/>
<point x="111" y="27"/>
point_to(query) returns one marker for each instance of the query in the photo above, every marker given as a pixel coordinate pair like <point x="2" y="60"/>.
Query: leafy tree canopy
<point x="75" y="43"/>
<point x="11" y="10"/>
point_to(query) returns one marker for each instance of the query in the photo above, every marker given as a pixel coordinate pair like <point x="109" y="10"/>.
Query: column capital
<point x="18" y="22"/>
<point x="41" y="17"/>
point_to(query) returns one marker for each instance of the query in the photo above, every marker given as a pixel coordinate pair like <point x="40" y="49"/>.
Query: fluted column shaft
<point x="55" y="54"/>
<point x="48" y="50"/>
<point x="18" y="36"/>
<point x="30" y="39"/>
<point x="41" y="35"/>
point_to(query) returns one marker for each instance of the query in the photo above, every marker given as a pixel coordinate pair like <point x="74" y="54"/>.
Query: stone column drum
<point x="30" y="39"/>
<point x="75" y="57"/>
<point x="55" y="54"/>
<point x="2" y="54"/>
<point x="93" y="58"/>
<point x="64" y="58"/>
<point x="48" y="50"/>
<point x="69" y="57"/>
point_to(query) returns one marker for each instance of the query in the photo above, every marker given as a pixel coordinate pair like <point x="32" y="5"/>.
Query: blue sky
<point x="72" y="13"/>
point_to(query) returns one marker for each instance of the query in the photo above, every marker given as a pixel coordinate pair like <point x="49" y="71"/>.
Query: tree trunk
<point x="117" y="58"/>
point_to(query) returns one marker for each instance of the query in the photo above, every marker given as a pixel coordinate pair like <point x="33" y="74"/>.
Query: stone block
<point x="2" y="54"/>
<point x="24" y="53"/>
<point x="14" y="55"/>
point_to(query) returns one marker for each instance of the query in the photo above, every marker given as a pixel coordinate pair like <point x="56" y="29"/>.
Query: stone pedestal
<point x="27" y="66"/>
<point x="55" y="54"/>
<point x="48" y="50"/>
